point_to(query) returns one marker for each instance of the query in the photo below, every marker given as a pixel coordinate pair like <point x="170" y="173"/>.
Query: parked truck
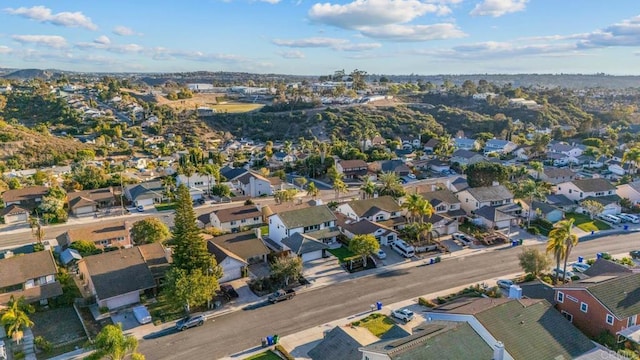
<point x="281" y="295"/>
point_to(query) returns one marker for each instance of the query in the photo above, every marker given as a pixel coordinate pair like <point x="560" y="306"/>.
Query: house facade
<point x="499" y="146"/>
<point x="317" y="221"/>
<point x="28" y="197"/>
<point x="232" y="219"/>
<point x="630" y="191"/>
<point x="466" y="144"/>
<point x="466" y="157"/>
<point x="597" y="189"/>
<point x="103" y="234"/>
<point x="254" y="185"/>
<point x="89" y="201"/>
<point x="146" y="193"/>
<point x="352" y="169"/>
<point x="472" y="199"/>
<point x="31" y="275"/>
<point x="14" y="214"/>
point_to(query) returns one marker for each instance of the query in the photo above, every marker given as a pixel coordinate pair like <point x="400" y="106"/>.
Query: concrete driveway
<point x="126" y="318"/>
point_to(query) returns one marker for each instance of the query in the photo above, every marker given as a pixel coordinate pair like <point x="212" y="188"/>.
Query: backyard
<point x="61" y="327"/>
<point x="585" y="223"/>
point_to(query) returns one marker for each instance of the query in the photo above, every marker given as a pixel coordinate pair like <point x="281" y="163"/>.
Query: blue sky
<point x="313" y="38"/>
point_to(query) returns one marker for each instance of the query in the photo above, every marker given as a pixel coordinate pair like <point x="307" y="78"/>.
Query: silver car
<point x="189" y="322"/>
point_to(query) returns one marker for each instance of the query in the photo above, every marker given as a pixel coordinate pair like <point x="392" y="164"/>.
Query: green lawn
<point x="341" y="253"/>
<point x="378" y="324"/>
<point x="163" y="207"/>
<point x="236" y="107"/>
<point x="583" y="222"/>
<point x="162" y="310"/>
<point x="264" y="230"/>
<point x="267" y="355"/>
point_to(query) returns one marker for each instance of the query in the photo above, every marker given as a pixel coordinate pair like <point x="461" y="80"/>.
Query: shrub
<point x="626" y="261"/>
<point x="575" y="277"/>
<point x="591" y="261"/>
<point x="628" y="353"/>
<point x="547" y="279"/>
<point x="529" y="277"/>
<point x="43" y="344"/>
<point x="607" y="339"/>
<point x="438" y="259"/>
<point x="103" y="309"/>
<point x="157" y="322"/>
<point x="426" y="302"/>
<point x="19" y="355"/>
<point x="283" y="352"/>
<point x="440" y="300"/>
<point x="533" y="230"/>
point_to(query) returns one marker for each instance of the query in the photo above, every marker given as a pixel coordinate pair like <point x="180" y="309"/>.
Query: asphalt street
<point x="242" y="330"/>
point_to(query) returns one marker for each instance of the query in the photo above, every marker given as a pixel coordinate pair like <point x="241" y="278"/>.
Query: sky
<point x="307" y="37"/>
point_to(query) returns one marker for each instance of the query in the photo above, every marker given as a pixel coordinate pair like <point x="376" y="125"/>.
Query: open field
<point x="231" y="107"/>
<point x="208" y="100"/>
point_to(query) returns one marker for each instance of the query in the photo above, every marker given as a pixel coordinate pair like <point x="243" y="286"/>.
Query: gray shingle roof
<point x="534" y="331"/>
<point x="303" y="244"/>
<point x="597" y="184"/>
<point x="20" y="268"/>
<point x="436" y="197"/>
<point x="245" y="244"/>
<point x="368" y="207"/>
<point x="603" y="266"/>
<point x="342" y="343"/>
<point x="620" y="295"/>
<point x="151" y="187"/>
<point x="306" y="217"/>
<point x="490" y="193"/>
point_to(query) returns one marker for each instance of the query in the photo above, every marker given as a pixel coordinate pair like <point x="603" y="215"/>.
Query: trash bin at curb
<point x="379" y="305"/>
<point x="264" y="342"/>
<point x="580" y="259"/>
<point x="275" y="339"/>
<point x="269" y="340"/>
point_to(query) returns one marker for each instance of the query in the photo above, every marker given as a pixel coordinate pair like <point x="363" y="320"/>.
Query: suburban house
<point x="445" y="202"/>
<point x="472" y="199"/>
<point x="570" y="150"/>
<point x="352" y="169"/>
<point x="351" y="228"/>
<point x="458" y="184"/>
<point x="542" y="210"/>
<point x="30" y="275"/>
<point x="466" y="157"/>
<point x="247" y="245"/>
<point x="500" y="217"/>
<point x="283" y="157"/>
<point x="431" y="145"/>
<point x="233" y="219"/>
<point x="233" y="267"/>
<point x="601" y="303"/>
<point x="466" y="144"/>
<point x="14" y="214"/>
<point x="514" y="329"/>
<point x="342" y="342"/>
<point x="103" y="234"/>
<point x="231" y="173"/>
<point x="196" y="181"/>
<point x="90" y="201"/>
<point x="630" y="191"/>
<point x="561" y="202"/>
<point x="305" y="246"/>
<point x="383" y="209"/>
<point x="442" y="224"/>
<point x="139" y="163"/>
<point x="555" y="175"/>
<point x="499" y="146"/>
<point x="597" y="189"/>
<point x="318" y="222"/>
<point x="146" y="193"/>
<point x="253" y="185"/>
<point x="619" y="169"/>
<point x="28" y="197"/>
<point x="395" y="166"/>
<point x="116" y="278"/>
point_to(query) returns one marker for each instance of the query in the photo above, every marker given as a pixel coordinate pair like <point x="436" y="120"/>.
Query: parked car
<point x="629" y="218"/>
<point x="403" y="314"/>
<point x="3" y="351"/>
<point x="281" y="295"/>
<point x="411" y="176"/>
<point x="504" y="283"/>
<point x="568" y="275"/>
<point x="189" y="322"/>
<point x="140" y="208"/>
<point x="464" y="239"/>
<point x="635" y="254"/>
<point x="142" y="314"/>
<point x="580" y="267"/>
<point x="381" y="254"/>
<point x="611" y="219"/>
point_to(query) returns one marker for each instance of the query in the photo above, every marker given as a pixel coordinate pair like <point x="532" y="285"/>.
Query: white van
<point x="404" y="249"/>
<point x="611" y="219"/>
<point x="630" y="218"/>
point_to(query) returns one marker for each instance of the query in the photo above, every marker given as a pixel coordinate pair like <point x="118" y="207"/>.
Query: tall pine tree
<point x="190" y="249"/>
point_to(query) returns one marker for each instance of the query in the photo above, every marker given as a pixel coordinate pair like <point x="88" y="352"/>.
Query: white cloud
<point x="5" y="49"/>
<point x="500" y="50"/>
<point x="45" y="15"/>
<point x="108" y="46"/>
<point x="103" y="40"/>
<point x="372" y="12"/>
<point x="359" y="47"/>
<point x="498" y="8"/>
<point x="270" y="1"/>
<point x="161" y="53"/>
<point x="123" y="31"/>
<point x="53" y="41"/>
<point x="625" y="33"/>
<point x="293" y="54"/>
<point x="414" y="32"/>
<point x="321" y="42"/>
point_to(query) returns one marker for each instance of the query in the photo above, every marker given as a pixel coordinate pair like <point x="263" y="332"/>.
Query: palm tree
<point x="312" y="190"/>
<point x="425" y="209"/>
<point x="412" y="204"/>
<point x="537" y="167"/>
<point x="557" y="245"/>
<point x="390" y="185"/>
<point x="368" y="189"/>
<point x="339" y="187"/>
<point x="632" y="156"/>
<point x="169" y="183"/>
<point x="111" y="343"/>
<point x="571" y="240"/>
<point x="212" y="171"/>
<point x="15" y="318"/>
<point x="188" y="170"/>
<point x="533" y="190"/>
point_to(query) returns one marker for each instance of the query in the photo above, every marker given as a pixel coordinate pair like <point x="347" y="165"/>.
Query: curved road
<point x="241" y="330"/>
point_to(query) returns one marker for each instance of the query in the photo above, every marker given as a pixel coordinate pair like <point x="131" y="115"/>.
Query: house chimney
<point x="498" y="351"/>
<point x="515" y="292"/>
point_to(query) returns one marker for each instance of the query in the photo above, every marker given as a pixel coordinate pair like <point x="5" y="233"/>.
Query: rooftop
<point x="368" y="207"/>
<point x="306" y="216"/>
<point x="237" y="213"/>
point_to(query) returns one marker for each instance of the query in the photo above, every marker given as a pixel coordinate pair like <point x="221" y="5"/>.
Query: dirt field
<point x="190" y="104"/>
<point x="231" y="107"/>
<point x="58" y="325"/>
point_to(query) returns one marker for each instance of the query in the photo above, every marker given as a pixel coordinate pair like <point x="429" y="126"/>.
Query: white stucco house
<point x="472" y="199"/>
<point x="630" y="191"/>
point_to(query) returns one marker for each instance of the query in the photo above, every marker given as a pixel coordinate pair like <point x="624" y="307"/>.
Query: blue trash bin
<point x="599" y="256"/>
<point x="626" y="227"/>
<point x="432" y="261"/>
<point x="592" y="232"/>
<point x="379" y="305"/>
<point x="580" y="259"/>
<point x="270" y="340"/>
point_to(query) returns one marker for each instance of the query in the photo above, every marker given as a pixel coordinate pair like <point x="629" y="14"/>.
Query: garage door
<point x="123" y="300"/>
<point x="144" y="202"/>
<point x="312" y="256"/>
<point x="84" y="210"/>
<point x="16" y="218"/>
<point x="231" y="274"/>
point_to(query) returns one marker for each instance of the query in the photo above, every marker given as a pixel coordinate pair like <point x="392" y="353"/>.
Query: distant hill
<point x="27" y="74"/>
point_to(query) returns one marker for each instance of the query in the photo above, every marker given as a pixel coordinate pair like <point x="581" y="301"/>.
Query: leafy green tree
<point x="191" y="289"/>
<point x="111" y="343"/>
<point x="530" y="190"/>
<point x="220" y="190"/>
<point x="533" y="261"/>
<point x="364" y="245"/>
<point x="300" y="181"/>
<point x="368" y="189"/>
<point x="149" y="230"/>
<point x="390" y="185"/>
<point x="190" y="250"/>
<point x="485" y="173"/>
<point x="15" y="318"/>
<point x="312" y="190"/>
<point x="593" y="207"/>
<point x="538" y="167"/>
<point x="90" y="177"/>
<point x="287" y="268"/>
<point x="85" y="247"/>
<point x="286" y="195"/>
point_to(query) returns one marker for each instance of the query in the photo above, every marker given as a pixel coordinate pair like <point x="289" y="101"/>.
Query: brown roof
<point x="99" y="231"/>
<point x="245" y="244"/>
<point x="275" y="180"/>
<point x="237" y="213"/>
<point x="89" y="197"/>
<point x="221" y="253"/>
<point x="597" y="184"/>
<point x="13" y="209"/>
<point x="35" y="293"/>
<point x="119" y="272"/>
<point x="156" y="258"/>
<point x="25" y="267"/>
<point x="352" y="164"/>
<point x="24" y="194"/>
<point x="369" y="207"/>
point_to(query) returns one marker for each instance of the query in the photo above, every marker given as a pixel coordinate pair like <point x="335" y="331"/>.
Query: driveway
<point x="126" y="318"/>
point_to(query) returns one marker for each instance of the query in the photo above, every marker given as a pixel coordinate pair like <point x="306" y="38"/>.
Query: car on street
<point x="566" y="276"/>
<point x="504" y="283"/>
<point x="464" y="239"/>
<point x="635" y="254"/>
<point x="381" y="254"/>
<point x="189" y="322"/>
<point x="403" y="314"/>
<point x="629" y="218"/>
<point x="580" y="267"/>
<point x="281" y="295"/>
<point x="140" y="208"/>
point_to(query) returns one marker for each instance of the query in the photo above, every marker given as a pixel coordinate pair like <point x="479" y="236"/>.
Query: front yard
<point x="584" y="222"/>
<point x="341" y="253"/>
<point x="165" y="206"/>
<point x="163" y="311"/>
<point x="267" y="355"/>
<point x="377" y="324"/>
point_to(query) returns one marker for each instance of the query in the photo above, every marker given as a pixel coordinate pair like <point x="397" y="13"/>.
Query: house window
<point x="599" y="193"/>
<point x="379" y="217"/>
<point x="390" y="238"/>
<point x="560" y="297"/>
<point x="243" y="221"/>
<point x="580" y="194"/>
<point x="609" y="319"/>
<point x="584" y="307"/>
<point x="327" y="224"/>
<point x="567" y="315"/>
<point x="441" y="208"/>
<point x="631" y="321"/>
<point x="256" y="218"/>
<point x="232" y="223"/>
<point x="569" y="190"/>
<point x="466" y="200"/>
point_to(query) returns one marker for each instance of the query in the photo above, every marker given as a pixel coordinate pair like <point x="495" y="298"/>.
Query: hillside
<point x="22" y="148"/>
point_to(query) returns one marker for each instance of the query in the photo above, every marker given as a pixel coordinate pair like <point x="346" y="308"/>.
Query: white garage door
<point x="231" y="274"/>
<point x="122" y="300"/>
<point x="312" y="256"/>
<point x="144" y="202"/>
<point x="16" y="218"/>
<point x="84" y="210"/>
